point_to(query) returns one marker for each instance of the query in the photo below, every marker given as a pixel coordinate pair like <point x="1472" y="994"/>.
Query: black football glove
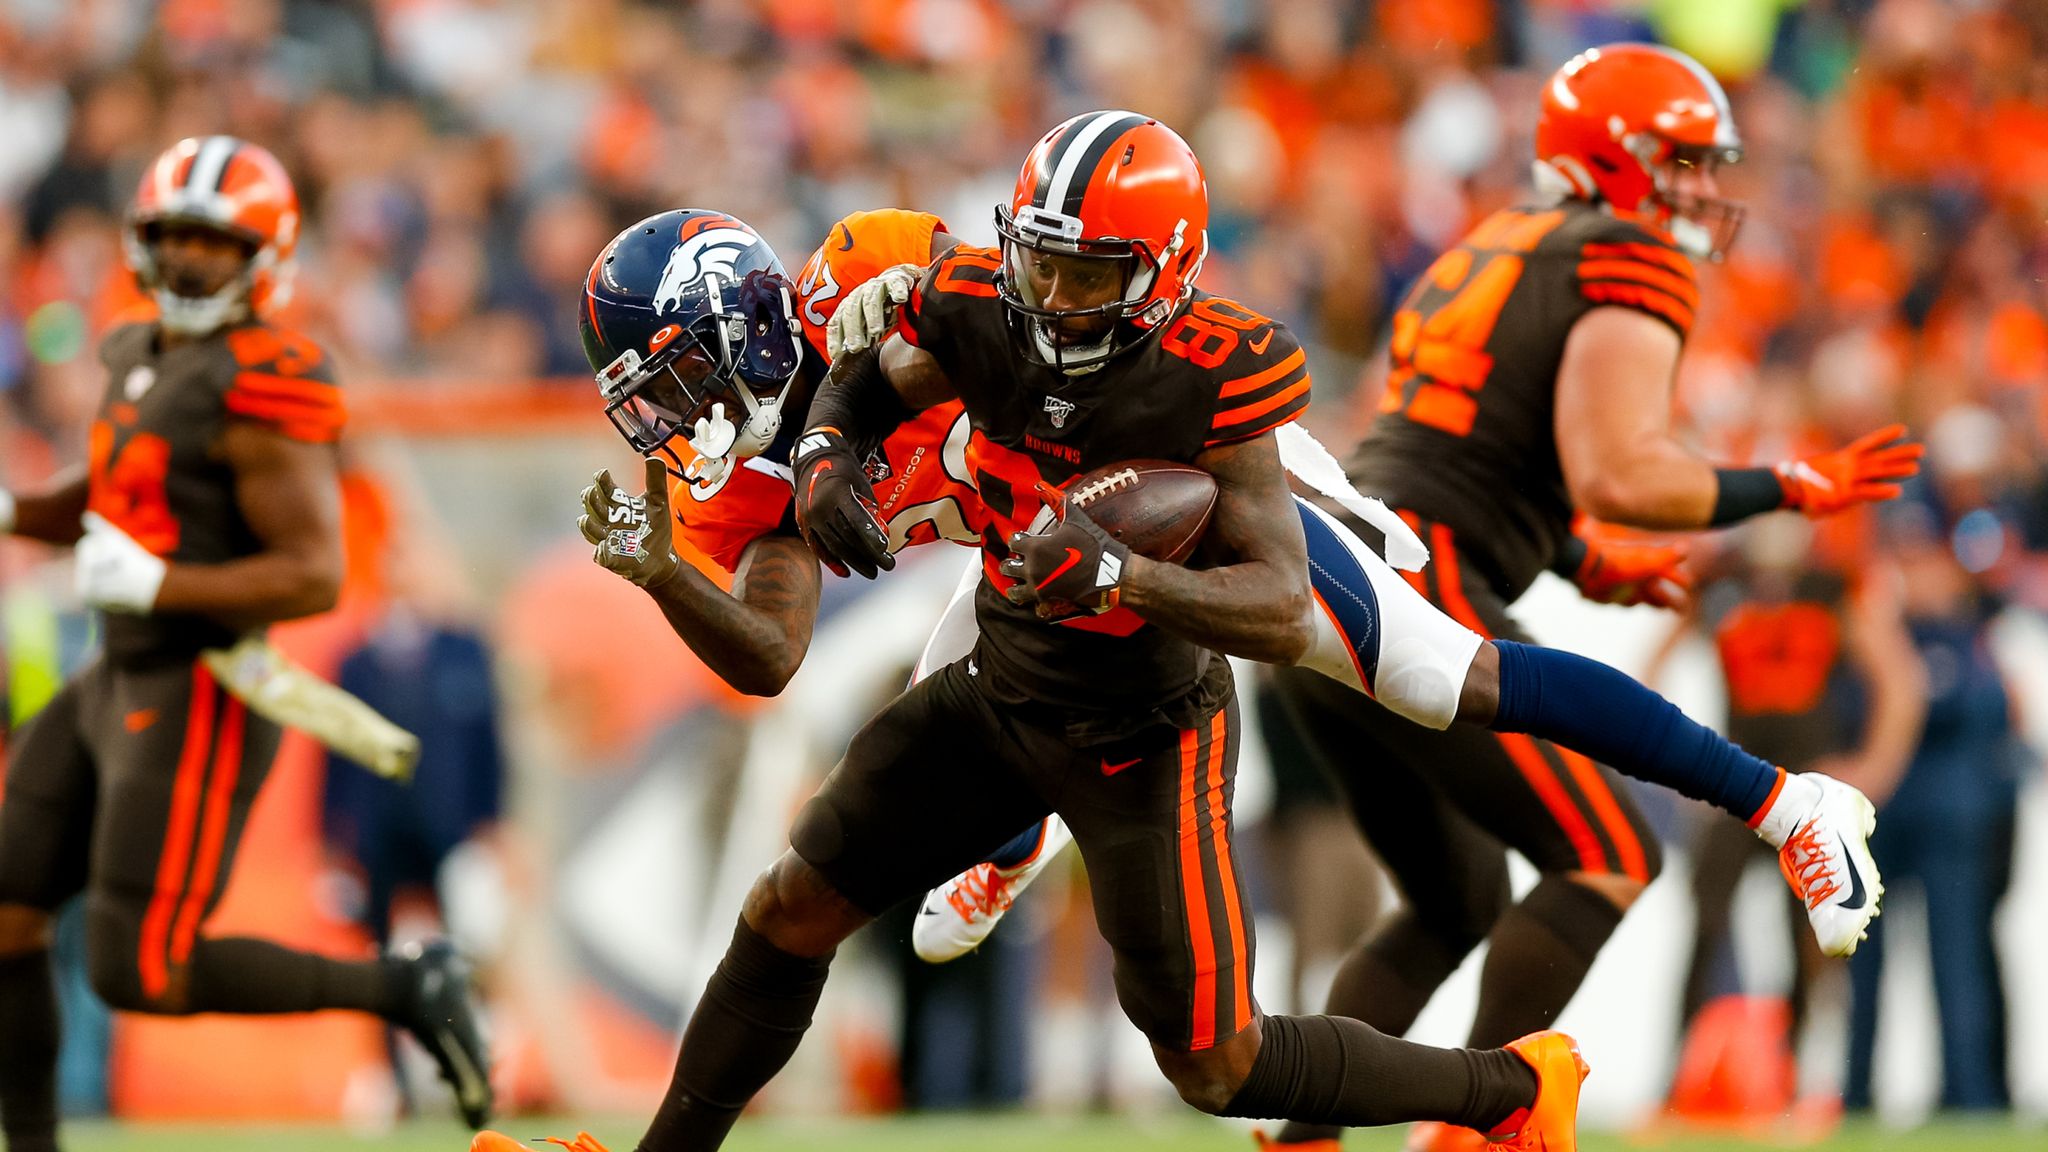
<point x="1072" y="562"/>
<point x="835" y="506"/>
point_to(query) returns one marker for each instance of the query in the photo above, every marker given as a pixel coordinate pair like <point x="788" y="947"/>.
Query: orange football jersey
<point x="922" y="491"/>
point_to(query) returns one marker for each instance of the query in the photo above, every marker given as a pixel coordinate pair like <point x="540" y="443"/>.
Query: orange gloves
<point x="1865" y="471"/>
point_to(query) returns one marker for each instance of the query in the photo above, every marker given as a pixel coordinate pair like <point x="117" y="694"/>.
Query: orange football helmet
<point x="1619" y="123"/>
<point x="1115" y="186"/>
<point x="227" y="184"/>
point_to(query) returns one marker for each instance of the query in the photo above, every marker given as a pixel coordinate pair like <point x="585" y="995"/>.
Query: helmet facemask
<point x="1040" y="248"/>
<point x="719" y="383"/>
<point x="1704" y="226"/>
<point x="185" y="312"/>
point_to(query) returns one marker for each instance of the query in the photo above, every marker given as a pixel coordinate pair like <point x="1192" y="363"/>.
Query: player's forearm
<point x="754" y="637"/>
<point x="1658" y="485"/>
<point x="266" y="588"/>
<point x="1251" y="610"/>
<point x="52" y="515"/>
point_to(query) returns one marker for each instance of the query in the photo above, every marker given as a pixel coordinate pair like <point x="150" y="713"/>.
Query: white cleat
<point x="1828" y="863"/>
<point x="959" y="914"/>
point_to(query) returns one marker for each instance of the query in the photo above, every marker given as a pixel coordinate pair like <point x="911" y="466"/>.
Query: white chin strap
<point x="202" y="315"/>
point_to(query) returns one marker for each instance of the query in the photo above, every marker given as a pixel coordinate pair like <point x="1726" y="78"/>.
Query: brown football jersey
<point x="156" y="468"/>
<point x="1219" y="373"/>
<point x="1466" y="433"/>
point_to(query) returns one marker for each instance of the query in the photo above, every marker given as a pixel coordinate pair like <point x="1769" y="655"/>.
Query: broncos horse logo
<point x="710" y="251"/>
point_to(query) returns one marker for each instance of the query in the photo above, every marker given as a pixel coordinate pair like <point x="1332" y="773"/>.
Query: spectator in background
<point x="1821" y="675"/>
<point x="1948" y="829"/>
<point x="432" y="676"/>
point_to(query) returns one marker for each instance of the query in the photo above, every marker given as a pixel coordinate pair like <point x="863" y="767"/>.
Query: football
<point x="1156" y="508"/>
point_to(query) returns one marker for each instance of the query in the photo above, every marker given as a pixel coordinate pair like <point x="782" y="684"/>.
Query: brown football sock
<point x="1539" y="955"/>
<point x="28" y="1052"/>
<point x="1330" y="1070"/>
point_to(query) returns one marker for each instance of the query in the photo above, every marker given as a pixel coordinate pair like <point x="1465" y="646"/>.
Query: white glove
<point x="113" y="571"/>
<point x="6" y="511"/>
<point x="867" y="313"/>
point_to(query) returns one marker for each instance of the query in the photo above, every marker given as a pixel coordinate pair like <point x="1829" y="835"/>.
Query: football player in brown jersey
<point x="1093" y="688"/>
<point x="210" y="508"/>
<point x="1531" y="371"/>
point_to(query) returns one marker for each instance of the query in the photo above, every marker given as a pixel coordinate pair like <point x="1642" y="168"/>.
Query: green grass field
<point x="964" y="1134"/>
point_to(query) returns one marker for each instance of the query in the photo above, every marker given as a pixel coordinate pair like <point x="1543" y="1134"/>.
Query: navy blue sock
<point x="1017" y="849"/>
<point x="1594" y="710"/>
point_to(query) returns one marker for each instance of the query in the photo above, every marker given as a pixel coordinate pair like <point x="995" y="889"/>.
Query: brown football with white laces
<point x="1156" y="508"/>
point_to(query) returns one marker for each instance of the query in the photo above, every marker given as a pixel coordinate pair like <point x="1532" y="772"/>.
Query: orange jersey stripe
<point x="1257" y="380"/>
<point x="1636" y="270"/>
<point x="1194" y="897"/>
<point x="1550" y="790"/>
<point x="153" y="955"/>
<point x="1648" y="299"/>
<point x="213" y="832"/>
<point x="1226" y="418"/>
<point x="1628" y="847"/>
<point x="1649" y="253"/>
<point x="1226" y="872"/>
<point x="1450" y="589"/>
<point x="286" y="388"/>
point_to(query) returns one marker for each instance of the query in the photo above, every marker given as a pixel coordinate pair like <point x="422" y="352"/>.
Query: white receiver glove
<point x="113" y="571"/>
<point x="868" y="312"/>
<point x="6" y="511"/>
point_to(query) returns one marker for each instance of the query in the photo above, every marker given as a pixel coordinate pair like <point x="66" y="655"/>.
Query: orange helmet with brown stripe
<point x="1112" y="187"/>
<point x="1641" y="128"/>
<point x="233" y="187"/>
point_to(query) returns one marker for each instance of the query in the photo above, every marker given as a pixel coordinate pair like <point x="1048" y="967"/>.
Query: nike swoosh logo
<point x="847" y="245"/>
<point x="1258" y="346"/>
<point x="139" y="719"/>
<point x="1858" y="895"/>
<point x="1109" y="769"/>
<point x="1073" y="558"/>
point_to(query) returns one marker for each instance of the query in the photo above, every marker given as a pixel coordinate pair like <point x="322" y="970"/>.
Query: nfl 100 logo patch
<point x="1057" y="410"/>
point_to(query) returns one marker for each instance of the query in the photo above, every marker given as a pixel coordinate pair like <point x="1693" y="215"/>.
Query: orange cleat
<point x="1551" y="1124"/>
<point x="498" y="1142"/>
<point x="1436" y="1136"/>
<point x="1268" y="1144"/>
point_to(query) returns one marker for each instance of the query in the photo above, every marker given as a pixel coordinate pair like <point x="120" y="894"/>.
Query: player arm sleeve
<point x="858" y="401"/>
<point x="1263" y="393"/>
<point x="286" y="382"/>
<point x="1632" y="270"/>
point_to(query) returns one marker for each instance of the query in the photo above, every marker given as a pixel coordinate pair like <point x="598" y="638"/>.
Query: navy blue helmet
<point x="690" y="324"/>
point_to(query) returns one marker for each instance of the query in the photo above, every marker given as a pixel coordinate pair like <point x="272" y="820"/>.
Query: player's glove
<point x="634" y="534"/>
<point x="1865" y="471"/>
<point x="1071" y="562"/>
<point x="114" y="572"/>
<point x="835" y="506"/>
<point x="1614" y="571"/>
<point x="869" y="311"/>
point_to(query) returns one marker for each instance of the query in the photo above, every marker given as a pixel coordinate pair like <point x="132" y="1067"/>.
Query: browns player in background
<point x="1530" y="380"/>
<point x="210" y="508"/>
